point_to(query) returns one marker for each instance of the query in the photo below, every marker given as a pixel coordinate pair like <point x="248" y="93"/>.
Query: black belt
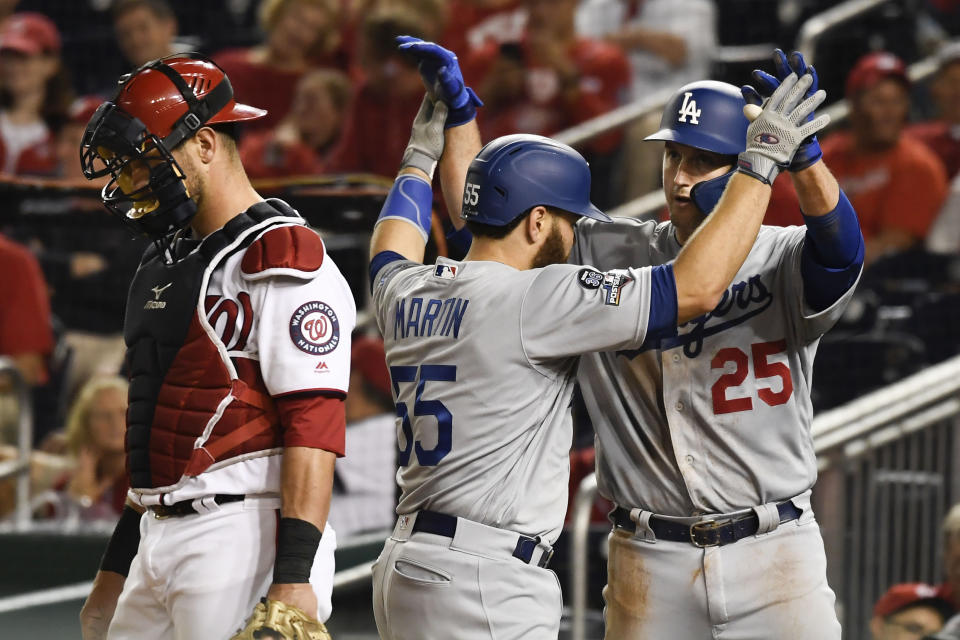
<point x="185" y="507"/>
<point x="706" y="533"/>
<point x="441" y="524"/>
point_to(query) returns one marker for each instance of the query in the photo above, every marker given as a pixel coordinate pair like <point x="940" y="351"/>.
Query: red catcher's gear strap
<point x="203" y="457"/>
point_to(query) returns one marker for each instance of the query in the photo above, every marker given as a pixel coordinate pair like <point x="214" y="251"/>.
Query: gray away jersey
<point x="482" y="359"/>
<point x="717" y="418"/>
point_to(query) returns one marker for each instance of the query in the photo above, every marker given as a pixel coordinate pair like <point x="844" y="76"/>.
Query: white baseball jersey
<point x="298" y="336"/>
<point x="482" y="358"/>
<point x="270" y="316"/>
<point x="283" y="331"/>
<point x="717" y="418"/>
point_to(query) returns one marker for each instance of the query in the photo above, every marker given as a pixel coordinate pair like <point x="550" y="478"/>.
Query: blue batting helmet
<point x="706" y="115"/>
<point x="515" y="173"/>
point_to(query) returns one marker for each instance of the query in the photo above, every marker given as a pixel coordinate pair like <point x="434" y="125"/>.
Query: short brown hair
<point x="491" y="231"/>
<point x="335" y="82"/>
<point x="159" y="8"/>
<point x="271" y="10"/>
<point x="381" y="28"/>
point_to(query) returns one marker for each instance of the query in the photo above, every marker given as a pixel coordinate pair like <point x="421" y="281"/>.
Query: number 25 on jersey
<point x="761" y="369"/>
<point x="421" y="409"/>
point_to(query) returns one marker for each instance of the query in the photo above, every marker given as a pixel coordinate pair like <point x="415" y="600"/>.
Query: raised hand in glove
<point x="808" y="152"/>
<point x="442" y="76"/>
<point x="426" y="137"/>
<point x="779" y="127"/>
<point x="274" y="620"/>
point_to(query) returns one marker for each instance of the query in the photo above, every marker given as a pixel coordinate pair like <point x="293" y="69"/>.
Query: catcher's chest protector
<point x="184" y="396"/>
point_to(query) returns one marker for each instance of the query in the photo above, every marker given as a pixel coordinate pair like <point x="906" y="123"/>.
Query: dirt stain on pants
<point x="627" y="591"/>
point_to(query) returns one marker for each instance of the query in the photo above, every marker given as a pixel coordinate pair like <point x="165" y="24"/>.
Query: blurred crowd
<point x="341" y="97"/>
<point x="919" y="611"/>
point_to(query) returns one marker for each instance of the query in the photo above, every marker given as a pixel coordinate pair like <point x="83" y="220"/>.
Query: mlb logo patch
<point x="446" y="271"/>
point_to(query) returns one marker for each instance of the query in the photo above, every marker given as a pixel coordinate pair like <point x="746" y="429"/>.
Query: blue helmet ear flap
<point x="706" y="194"/>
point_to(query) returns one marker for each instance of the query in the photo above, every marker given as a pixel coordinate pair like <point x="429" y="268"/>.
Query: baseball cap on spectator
<point x="367" y="356"/>
<point x="873" y="68"/>
<point x="29" y="33"/>
<point x="909" y="594"/>
<point x="82" y="108"/>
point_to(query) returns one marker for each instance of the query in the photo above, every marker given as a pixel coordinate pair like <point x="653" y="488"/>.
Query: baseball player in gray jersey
<point x="483" y="352"/>
<point x="703" y="438"/>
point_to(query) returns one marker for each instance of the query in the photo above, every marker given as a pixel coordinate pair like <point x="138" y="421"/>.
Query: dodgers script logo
<point x="314" y="328"/>
<point x="741" y="302"/>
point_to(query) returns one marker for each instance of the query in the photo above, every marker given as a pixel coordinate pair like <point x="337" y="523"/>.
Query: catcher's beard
<point x="552" y="250"/>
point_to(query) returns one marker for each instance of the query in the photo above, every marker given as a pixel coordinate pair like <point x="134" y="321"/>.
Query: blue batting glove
<point x="442" y="76"/>
<point x="808" y="152"/>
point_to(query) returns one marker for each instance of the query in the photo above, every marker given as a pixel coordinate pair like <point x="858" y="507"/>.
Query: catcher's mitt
<point x="274" y="620"/>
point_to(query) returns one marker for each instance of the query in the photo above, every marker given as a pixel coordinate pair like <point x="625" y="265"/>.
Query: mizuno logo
<point x="156" y="303"/>
<point x="158" y="291"/>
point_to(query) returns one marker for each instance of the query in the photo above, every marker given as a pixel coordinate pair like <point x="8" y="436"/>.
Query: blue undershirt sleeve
<point x="663" y="303"/>
<point x="832" y="255"/>
<point x="381" y="260"/>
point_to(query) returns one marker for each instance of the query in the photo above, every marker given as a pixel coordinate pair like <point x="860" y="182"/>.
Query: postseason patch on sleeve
<point x="613" y="284"/>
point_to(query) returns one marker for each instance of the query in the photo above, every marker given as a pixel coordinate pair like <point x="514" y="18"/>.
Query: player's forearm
<point x="98" y="610"/>
<point x="306" y="483"/>
<point x="397" y="236"/>
<point x="404" y="222"/>
<point x="307" y="480"/>
<point x="715" y="252"/>
<point x="817" y="189"/>
<point x="461" y="146"/>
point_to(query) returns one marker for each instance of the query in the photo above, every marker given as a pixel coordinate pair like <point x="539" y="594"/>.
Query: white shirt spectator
<point x="944" y="234"/>
<point x="695" y="21"/>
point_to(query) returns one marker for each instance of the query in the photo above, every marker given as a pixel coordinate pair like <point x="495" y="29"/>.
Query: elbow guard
<point x="410" y="199"/>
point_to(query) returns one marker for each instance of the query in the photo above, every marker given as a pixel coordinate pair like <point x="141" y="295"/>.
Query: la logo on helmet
<point x="689" y="108"/>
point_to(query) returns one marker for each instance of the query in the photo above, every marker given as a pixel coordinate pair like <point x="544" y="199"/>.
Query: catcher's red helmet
<point x="157" y="107"/>
<point x="162" y="93"/>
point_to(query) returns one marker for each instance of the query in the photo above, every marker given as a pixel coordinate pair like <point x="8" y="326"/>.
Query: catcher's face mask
<point x="147" y="188"/>
<point x="131" y="139"/>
